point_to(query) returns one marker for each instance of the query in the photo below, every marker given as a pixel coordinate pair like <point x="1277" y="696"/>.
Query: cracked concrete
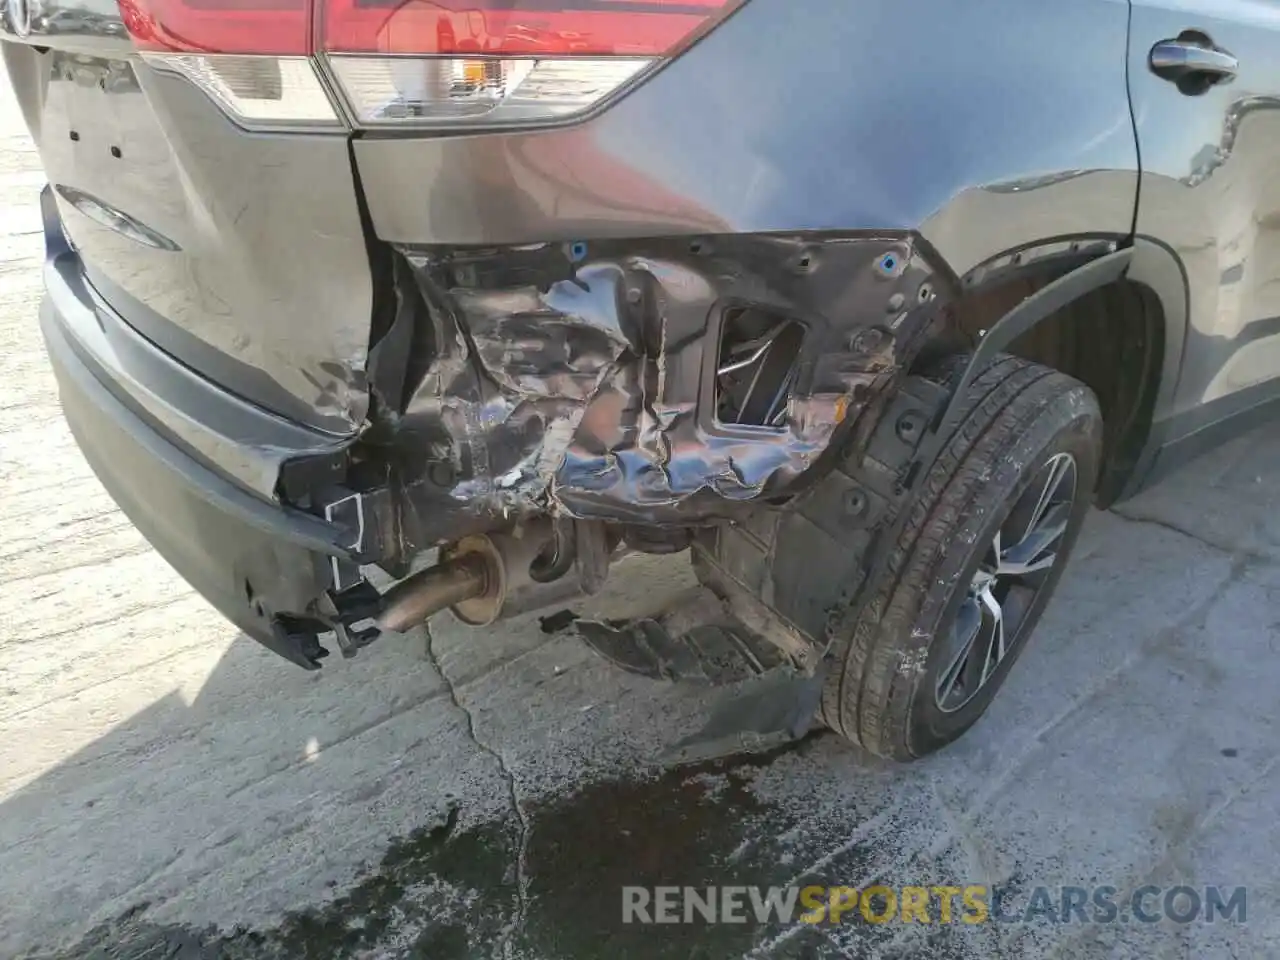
<point x="169" y="789"/>
<point x="1234" y="549"/>
<point x="504" y="946"/>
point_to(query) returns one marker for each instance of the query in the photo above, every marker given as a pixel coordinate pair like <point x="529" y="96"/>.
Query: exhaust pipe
<point x="481" y="579"/>
<point x="415" y="600"/>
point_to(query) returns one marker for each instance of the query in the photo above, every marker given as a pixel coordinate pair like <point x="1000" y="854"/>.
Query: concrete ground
<point x="168" y="789"/>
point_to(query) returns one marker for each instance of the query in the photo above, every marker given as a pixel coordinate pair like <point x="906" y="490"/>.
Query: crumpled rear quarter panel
<point x="579" y="377"/>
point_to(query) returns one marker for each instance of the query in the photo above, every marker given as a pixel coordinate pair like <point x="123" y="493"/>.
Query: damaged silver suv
<point x="858" y="306"/>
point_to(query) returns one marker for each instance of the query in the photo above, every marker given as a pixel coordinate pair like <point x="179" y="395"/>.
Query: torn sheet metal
<point x="581" y="378"/>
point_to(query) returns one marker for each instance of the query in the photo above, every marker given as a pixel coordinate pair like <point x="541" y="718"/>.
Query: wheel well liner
<point x="1112" y="319"/>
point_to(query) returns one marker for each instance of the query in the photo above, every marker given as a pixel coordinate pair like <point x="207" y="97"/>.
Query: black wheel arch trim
<point x="1035" y="309"/>
<point x="1144" y="261"/>
<point x="1155" y="266"/>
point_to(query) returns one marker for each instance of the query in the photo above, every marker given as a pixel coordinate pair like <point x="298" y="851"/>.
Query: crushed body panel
<point x="582" y="379"/>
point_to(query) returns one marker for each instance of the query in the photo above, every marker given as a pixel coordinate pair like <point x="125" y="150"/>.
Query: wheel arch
<point x="1109" y="311"/>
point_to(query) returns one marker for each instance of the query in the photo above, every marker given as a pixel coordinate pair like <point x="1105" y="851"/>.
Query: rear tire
<point x="903" y="684"/>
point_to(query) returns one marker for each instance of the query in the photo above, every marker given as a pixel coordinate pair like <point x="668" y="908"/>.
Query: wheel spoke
<point x="996" y="550"/>
<point x="1012" y="568"/>
<point x="1029" y="554"/>
<point x="968" y="625"/>
<point x="995" y="645"/>
<point x="1058" y="468"/>
<point x="1038" y="500"/>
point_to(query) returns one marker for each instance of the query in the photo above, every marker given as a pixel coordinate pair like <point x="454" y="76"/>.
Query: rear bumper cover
<point x="262" y="565"/>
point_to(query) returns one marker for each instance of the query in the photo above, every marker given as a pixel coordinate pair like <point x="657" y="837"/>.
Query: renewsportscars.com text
<point x="971" y="904"/>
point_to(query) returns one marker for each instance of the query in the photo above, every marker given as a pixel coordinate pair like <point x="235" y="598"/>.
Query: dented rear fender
<point x="664" y="381"/>
<point x="568" y="287"/>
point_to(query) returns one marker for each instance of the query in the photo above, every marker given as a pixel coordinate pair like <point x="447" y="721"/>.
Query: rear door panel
<point x="241" y="254"/>
<point x="1211" y="190"/>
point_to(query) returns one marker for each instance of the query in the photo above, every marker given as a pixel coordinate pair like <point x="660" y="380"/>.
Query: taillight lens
<point x="256" y="91"/>
<point x="435" y="63"/>
<point x="464" y="63"/>
<point x="520" y="28"/>
<point x="220" y="26"/>
<point x="446" y="91"/>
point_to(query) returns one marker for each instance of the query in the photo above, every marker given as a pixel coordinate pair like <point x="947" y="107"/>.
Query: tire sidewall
<point x="1069" y="424"/>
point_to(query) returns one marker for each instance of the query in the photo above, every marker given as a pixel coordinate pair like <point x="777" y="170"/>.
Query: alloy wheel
<point x="1004" y="588"/>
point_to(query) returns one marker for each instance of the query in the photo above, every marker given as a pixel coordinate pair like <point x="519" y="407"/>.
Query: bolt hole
<point x="577" y="251"/>
<point x="855" y="502"/>
<point x="908" y="427"/>
<point x="926" y="292"/>
<point x="75" y="135"/>
<point x="115" y="152"/>
<point x="696" y="247"/>
<point x="806" y="260"/>
<point x="441" y="474"/>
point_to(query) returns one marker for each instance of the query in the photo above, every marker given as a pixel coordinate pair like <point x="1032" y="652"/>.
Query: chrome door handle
<point x="1182" y="61"/>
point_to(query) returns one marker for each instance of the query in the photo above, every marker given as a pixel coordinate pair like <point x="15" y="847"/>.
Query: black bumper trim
<point x="265" y="567"/>
<point x="291" y="526"/>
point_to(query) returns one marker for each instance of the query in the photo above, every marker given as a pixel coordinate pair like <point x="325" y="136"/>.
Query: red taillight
<point x="281" y="27"/>
<point x="433" y="63"/>
<point x="645" y="28"/>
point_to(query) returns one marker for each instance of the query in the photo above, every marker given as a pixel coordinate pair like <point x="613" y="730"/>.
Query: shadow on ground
<point x="445" y="891"/>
